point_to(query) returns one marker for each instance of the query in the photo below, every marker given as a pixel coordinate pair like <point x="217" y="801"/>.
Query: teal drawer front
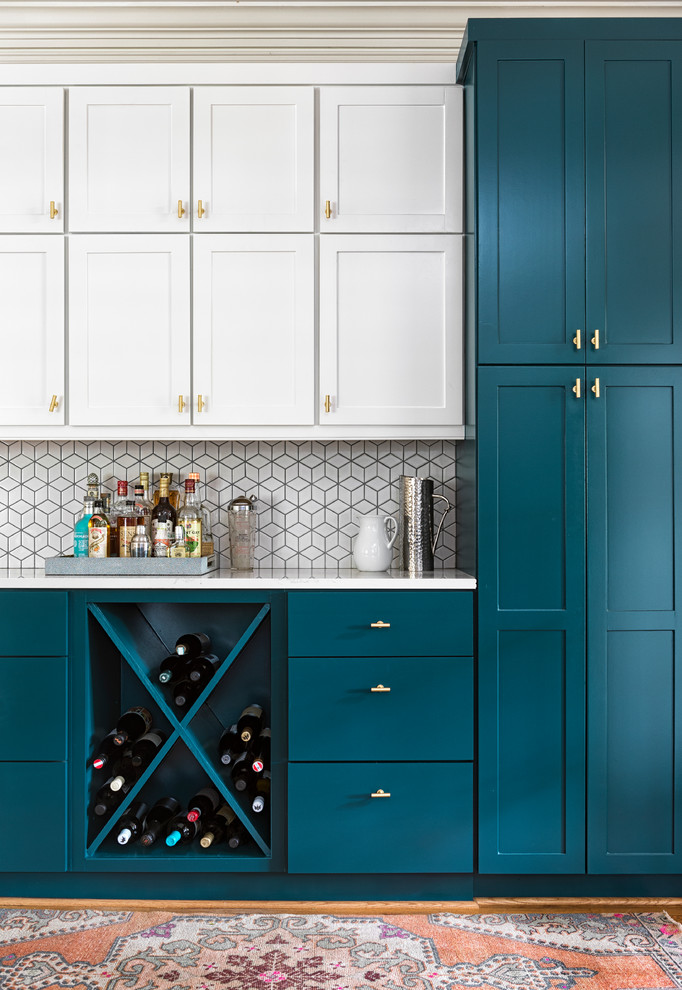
<point x="425" y="826"/>
<point x="33" y="708"/>
<point x="416" y="623"/>
<point x="426" y="715"/>
<point x="33" y="623"/>
<point x="38" y="844"/>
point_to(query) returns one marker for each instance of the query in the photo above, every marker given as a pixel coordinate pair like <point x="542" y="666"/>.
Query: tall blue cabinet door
<point x="531" y="204"/>
<point x="633" y="146"/>
<point x="531" y="620"/>
<point x="634" y="478"/>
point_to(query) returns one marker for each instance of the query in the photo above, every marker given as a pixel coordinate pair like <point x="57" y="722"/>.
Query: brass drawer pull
<point x="595" y="340"/>
<point x="380" y="625"/>
<point x="379" y="689"/>
<point x="53" y="210"/>
<point x="327" y="209"/>
<point x="381" y="793"/>
<point x="53" y="404"/>
<point x="577" y="341"/>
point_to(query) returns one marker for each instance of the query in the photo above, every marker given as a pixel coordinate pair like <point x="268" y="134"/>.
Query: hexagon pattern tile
<point x="310" y="493"/>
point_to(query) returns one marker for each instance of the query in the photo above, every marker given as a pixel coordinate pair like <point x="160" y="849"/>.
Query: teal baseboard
<point x="578" y="886"/>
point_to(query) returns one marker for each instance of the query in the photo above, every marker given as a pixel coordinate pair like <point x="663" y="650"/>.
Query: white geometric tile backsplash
<point x="309" y="492"/>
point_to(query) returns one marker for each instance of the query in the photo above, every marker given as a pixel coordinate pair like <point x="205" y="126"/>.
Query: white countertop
<point x="288" y="578"/>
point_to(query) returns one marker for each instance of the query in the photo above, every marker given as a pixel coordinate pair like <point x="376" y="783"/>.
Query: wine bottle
<point x="132" y="724"/>
<point x="243" y="776"/>
<point x="250" y="723"/>
<point x="229" y="745"/>
<point x="157" y="819"/>
<point x="126" y="772"/>
<point x="131" y="823"/>
<point x="106" y="751"/>
<point x="146" y="747"/>
<point x="216" y="827"/>
<point x="185" y="694"/>
<point x="193" y="645"/>
<point x="181" y="830"/>
<point x="203" y="804"/>
<point x="262" y="793"/>
<point x="201" y="669"/>
<point x="106" y="799"/>
<point x="164" y="519"/>
<point x="261" y="753"/>
<point x="235" y="833"/>
<point x="173" y="668"/>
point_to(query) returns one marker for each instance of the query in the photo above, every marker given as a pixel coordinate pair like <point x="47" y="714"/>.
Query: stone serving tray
<point x="129" y="565"/>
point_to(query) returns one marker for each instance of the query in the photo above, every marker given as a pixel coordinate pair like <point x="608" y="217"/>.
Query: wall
<point x="309" y="492"/>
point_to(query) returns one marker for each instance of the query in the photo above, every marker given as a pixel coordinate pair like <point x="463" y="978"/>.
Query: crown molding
<point x="260" y="30"/>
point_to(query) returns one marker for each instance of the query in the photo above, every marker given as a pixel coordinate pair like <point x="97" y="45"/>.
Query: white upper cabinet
<point x="253" y="158"/>
<point x="254" y="340"/>
<point x="31" y="159"/>
<point x="390" y="159"/>
<point x="129" y="349"/>
<point x="129" y="158"/>
<point x="32" y="318"/>
<point x="391" y="330"/>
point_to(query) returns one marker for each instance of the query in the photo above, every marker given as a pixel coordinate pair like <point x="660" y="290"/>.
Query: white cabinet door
<point x="31" y="159"/>
<point x="253" y="158"/>
<point x="129" y="337"/>
<point x="391" y="329"/>
<point x="129" y="158"/>
<point x="32" y="321"/>
<point x="391" y="158"/>
<point x="254" y="329"/>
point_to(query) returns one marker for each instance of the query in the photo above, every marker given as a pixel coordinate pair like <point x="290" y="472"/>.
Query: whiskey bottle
<point x="191" y="520"/>
<point x="128" y="521"/>
<point x="143" y="505"/>
<point x="164" y="519"/>
<point x="173" y="493"/>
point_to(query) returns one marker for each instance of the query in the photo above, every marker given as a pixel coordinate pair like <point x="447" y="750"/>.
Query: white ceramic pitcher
<point x="373" y="547"/>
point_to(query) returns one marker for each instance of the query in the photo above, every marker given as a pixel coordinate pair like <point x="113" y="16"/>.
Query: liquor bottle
<point x="146" y="747"/>
<point x="131" y="823"/>
<point x="92" y="486"/>
<point x="201" y="669"/>
<point x="207" y="545"/>
<point x="181" y="830"/>
<point x="185" y="693"/>
<point x="173" y="493"/>
<point x="164" y="519"/>
<point x="261" y="792"/>
<point x="261" y="753"/>
<point x="81" y="530"/>
<point x="235" y="833"/>
<point x="216" y="827"/>
<point x="106" y="799"/>
<point x="250" y="723"/>
<point x="229" y="745"/>
<point x="243" y="776"/>
<point x="143" y="506"/>
<point x="107" y="506"/>
<point x="106" y="751"/>
<point x="99" y="534"/>
<point x="191" y="519"/>
<point x="172" y="669"/>
<point x="132" y="724"/>
<point x="193" y="645"/>
<point x="157" y="819"/>
<point x="140" y="545"/>
<point x="126" y="773"/>
<point x="203" y="804"/>
<point x="118" y="508"/>
<point x="178" y="546"/>
<point x="127" y="523"/>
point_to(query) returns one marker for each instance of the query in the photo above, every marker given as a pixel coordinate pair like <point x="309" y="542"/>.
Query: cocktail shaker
<point x="417" y="542"/>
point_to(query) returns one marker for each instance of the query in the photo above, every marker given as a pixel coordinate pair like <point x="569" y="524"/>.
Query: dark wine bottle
<point x="203" y="804"/>
<point x="235" y="833"/>
<point x="157" y="819"/>
<point x="201" y="669"/>
<point x="243" y="776"/>
<point x="180" y="830"/>
<point x="173" y="668"/>
<point x="185" y="694"/>
<point x="250" y="723"/>
<point x="146" y="747"/>
<point x="131" y="823"/>
<point x="126" y="772"/>
<point x="230" y="745"/>
<point x="193" y="645"/>
<point x="261" y="793"/>
<point x="106" y="799"/>
<point x="216" y="827"/>
<point x="261" y="753"/>
<point x="106" y="751"/>
<point x="131" y="725"/>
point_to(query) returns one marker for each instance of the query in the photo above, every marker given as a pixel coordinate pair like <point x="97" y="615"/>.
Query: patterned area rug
<point x="115" y="950"/>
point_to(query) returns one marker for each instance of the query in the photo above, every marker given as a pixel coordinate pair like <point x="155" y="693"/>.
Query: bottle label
<point x="162" y="537"/>
<point x="125" y="535"/>
<point x="193" y="537"/>
<point x="178" y="550"/>
<point x="97" y="541"/>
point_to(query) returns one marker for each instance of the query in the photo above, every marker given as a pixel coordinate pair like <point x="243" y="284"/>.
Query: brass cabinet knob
<point x="53" y="210"/>
<point x="181" y="210"/>
<point x="381" y="793"/>
<point x="200" y="209"/>
<point x="53" y="404"/>
<point x="380" y="625"/>
<point x="379" y="689"/>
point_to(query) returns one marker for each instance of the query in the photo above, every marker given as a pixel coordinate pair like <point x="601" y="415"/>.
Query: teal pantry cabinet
<point x="574" y="221"/>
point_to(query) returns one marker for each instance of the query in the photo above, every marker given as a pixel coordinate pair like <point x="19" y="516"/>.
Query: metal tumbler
<point x="417" y="542"/>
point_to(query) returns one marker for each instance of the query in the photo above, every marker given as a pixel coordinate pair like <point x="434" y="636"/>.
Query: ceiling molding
<point x="258" y="30"/>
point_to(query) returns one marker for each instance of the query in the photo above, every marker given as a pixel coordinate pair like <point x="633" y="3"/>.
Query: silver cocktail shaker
<point x="417" y="542"/>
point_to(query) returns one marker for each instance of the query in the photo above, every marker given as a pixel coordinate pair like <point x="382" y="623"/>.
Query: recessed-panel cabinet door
<point x="253" y="158"/>
<point x="32" y="322"/>
<point x="633" y="128"/>
<point x="129" y="351"/>
<point x="391" y="158"/>
<point x="391" y="329"/>
<point x="635" y="689"/>
<point x="254" y="340"/>
<point x="129" y="158"/>
<point x="31" y="159"/>
<point x="531" y="646"/>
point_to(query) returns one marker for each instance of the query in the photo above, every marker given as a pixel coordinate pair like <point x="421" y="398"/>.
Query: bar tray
<point x="114" y="566"/>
